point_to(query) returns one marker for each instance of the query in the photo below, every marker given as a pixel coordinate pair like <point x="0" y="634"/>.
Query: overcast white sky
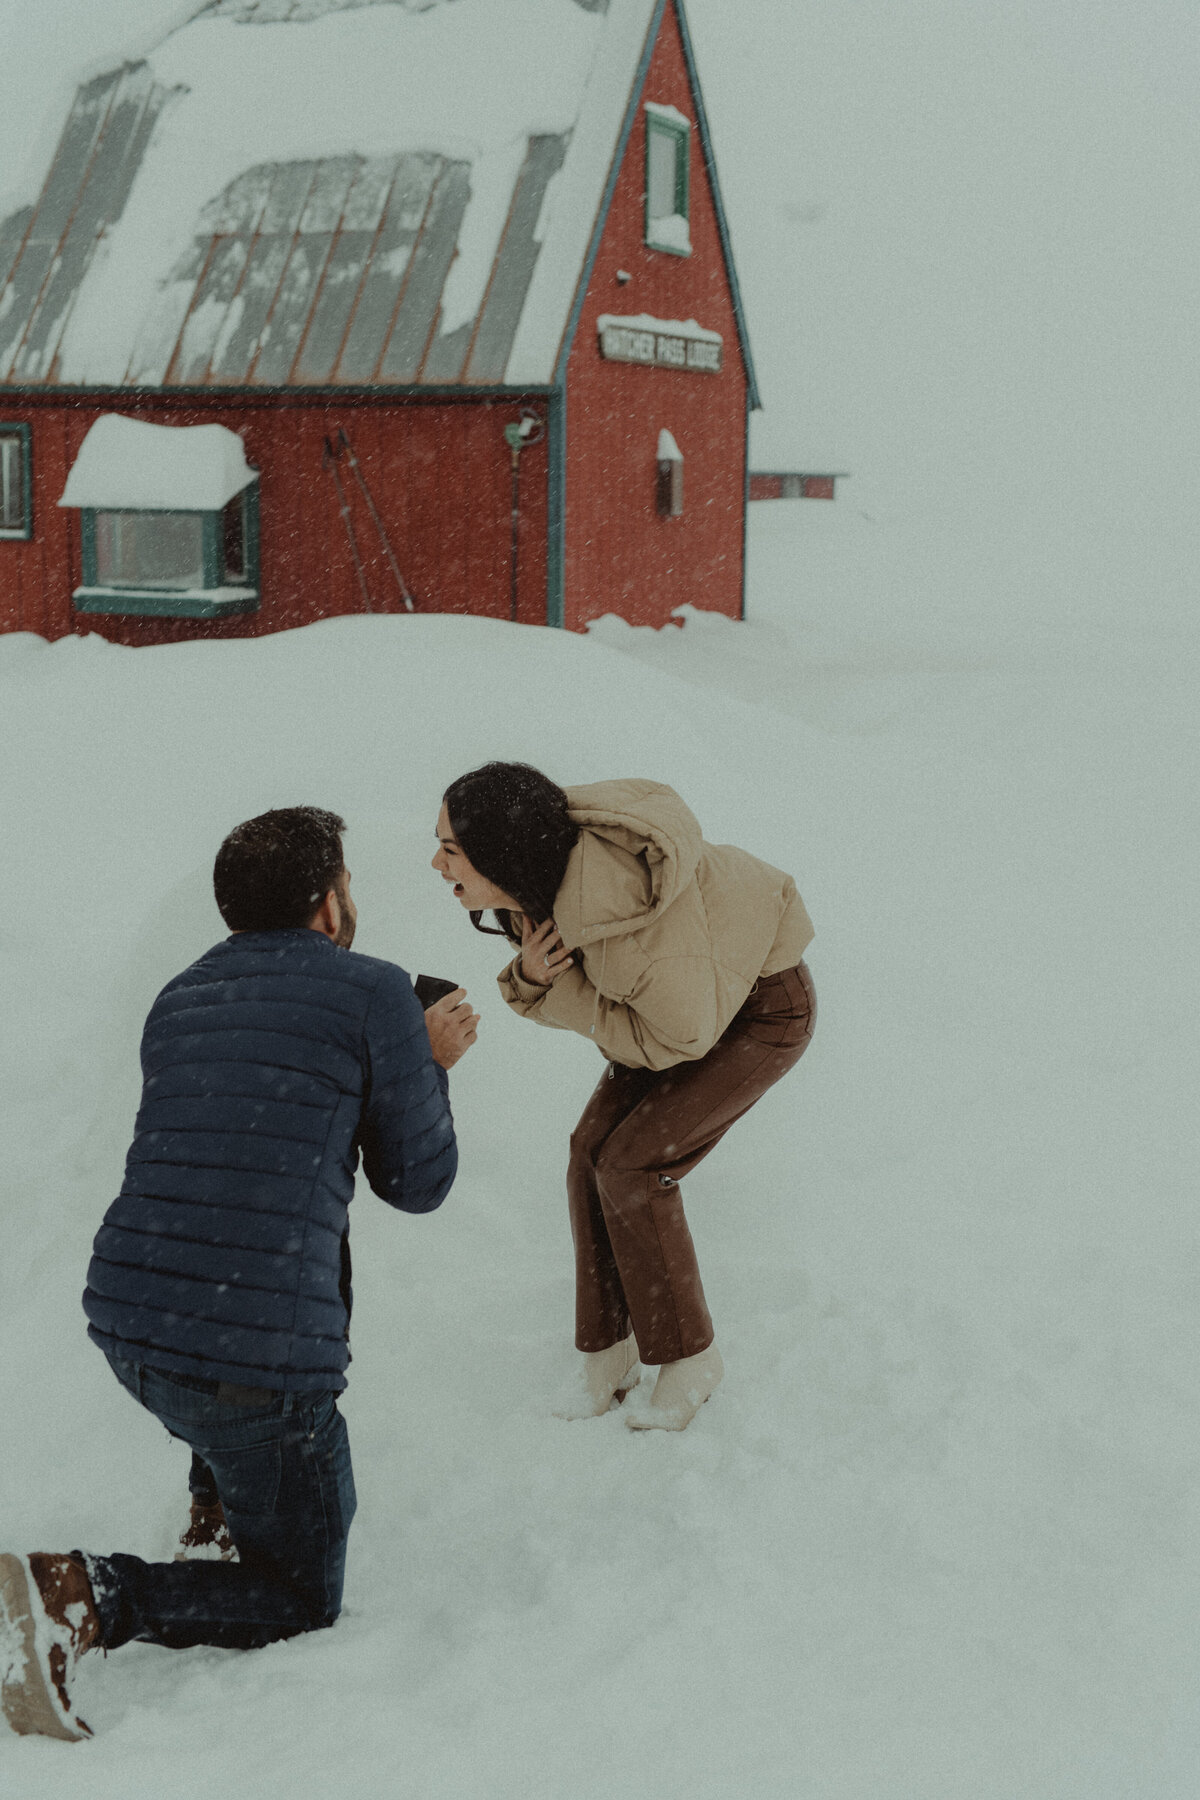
<point x="967" y="237"/>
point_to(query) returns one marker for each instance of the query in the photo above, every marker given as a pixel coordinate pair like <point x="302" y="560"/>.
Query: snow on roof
<point x="126" y="462"/>
<point x="325" y="191"/>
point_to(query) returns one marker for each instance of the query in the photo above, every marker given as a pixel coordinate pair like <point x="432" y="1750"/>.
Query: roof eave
<point x="610" y="187"/>
<point x="710" y="163"/>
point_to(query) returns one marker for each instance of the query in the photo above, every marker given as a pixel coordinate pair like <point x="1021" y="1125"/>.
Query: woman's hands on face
<point x="543" y="954"/>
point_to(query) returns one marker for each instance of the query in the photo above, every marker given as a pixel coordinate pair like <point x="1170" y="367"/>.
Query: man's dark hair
<point x="512" y="824"/>
<point x="272" y="873"/>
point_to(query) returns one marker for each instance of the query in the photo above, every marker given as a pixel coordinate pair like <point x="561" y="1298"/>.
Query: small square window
<point x="16" y="481"/>
<point x="668" y="142"/>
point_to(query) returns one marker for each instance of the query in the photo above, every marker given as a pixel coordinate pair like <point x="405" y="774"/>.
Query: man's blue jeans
<point x="283" y="1475"/>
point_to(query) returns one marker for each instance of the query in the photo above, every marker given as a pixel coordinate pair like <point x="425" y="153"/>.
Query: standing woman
<point x="683" y="961"/>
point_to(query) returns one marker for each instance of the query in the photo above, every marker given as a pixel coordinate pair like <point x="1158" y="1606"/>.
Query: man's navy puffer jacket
<point x="267" y="1066"/>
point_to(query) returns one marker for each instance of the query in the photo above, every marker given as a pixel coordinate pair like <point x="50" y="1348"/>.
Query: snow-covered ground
<point x="936" y="1535"/>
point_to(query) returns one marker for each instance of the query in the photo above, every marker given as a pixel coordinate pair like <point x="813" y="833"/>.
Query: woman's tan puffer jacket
<point x="672" y="932"/>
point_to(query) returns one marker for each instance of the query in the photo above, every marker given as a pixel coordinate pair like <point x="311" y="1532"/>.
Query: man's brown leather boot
<point x="49" y="1611"/>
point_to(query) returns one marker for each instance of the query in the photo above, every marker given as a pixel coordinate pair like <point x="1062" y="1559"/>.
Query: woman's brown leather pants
<point x="640" y="1132"/>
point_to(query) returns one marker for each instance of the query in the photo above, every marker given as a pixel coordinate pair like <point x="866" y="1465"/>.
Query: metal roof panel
<point x="420" y="303"/>
<point x="115" y="156"/>
<point x="209" y="313"/>
<point x="345" y="264"/>
<point x="12" y="236"/>
<point x="501" y="311"/>
<point x="265" y="263"/>
<point x="280" y="337"/>
<point x="53" y="213"/>
<point x="386" y="268"/>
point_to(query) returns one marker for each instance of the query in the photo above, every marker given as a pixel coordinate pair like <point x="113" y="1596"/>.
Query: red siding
<point x="440" y="475"/>
<point x="621" y="556"/>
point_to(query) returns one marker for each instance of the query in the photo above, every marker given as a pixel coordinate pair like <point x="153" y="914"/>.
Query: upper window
<point x="668" y="140"/>
<point x="16" y="482"/>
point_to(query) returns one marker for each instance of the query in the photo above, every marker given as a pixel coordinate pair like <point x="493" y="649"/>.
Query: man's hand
<point x="451" y="1025"/>
<point x="543" y="955"/>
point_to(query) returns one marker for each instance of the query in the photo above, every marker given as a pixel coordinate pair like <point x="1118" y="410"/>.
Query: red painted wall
<point x="620" y="555"/>
<point x="440" y="475"/>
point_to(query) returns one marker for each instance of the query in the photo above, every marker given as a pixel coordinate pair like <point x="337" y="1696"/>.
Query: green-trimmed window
<point x="16" y="481"/>
<point x="668" y="143"/>
<point x="195" y="565"/>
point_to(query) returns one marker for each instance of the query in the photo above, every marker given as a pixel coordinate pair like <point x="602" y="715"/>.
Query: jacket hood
<point x="639" y="848"/>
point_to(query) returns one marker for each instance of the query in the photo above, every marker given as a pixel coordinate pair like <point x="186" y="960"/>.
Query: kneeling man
<point x="219" y="1284"/>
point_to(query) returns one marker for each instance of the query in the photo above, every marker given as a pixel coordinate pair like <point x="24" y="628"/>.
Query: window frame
<point x="679" y="132"/>
<point x="131" y="597"/>
<point x="22" y="533"/>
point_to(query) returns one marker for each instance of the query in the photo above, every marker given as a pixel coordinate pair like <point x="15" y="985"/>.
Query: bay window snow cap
<point x="127" y="465"/>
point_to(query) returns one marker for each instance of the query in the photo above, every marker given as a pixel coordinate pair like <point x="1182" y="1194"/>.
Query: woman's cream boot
<point x="679" y="1393"/>
<point x="603" y="1376"/>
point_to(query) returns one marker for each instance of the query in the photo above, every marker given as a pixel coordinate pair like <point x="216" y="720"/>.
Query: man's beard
<point x="346" y="923"/>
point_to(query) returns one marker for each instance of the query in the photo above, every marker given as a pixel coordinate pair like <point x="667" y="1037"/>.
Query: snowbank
<point x="934" y="1536"/>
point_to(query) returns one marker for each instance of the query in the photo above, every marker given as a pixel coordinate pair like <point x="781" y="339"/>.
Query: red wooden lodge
<point x="449" y="290"/>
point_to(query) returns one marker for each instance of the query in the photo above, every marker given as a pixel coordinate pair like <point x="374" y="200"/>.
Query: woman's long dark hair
<point x="512" y="825"/>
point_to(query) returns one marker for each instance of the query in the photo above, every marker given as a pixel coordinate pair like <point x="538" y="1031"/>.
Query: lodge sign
<point x="625" y="341"/>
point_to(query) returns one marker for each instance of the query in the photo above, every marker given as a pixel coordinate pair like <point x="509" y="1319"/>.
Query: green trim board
<point x="614" y="169"/>
<point x="87" y="544"/>
<point x="251" y="530"/>
<point x="745" y="502"/>
<point x="163" y="605"/>
<point x="20" y="433"/>
<point x="710" y="164"/>
<point x="556" y="509"/>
